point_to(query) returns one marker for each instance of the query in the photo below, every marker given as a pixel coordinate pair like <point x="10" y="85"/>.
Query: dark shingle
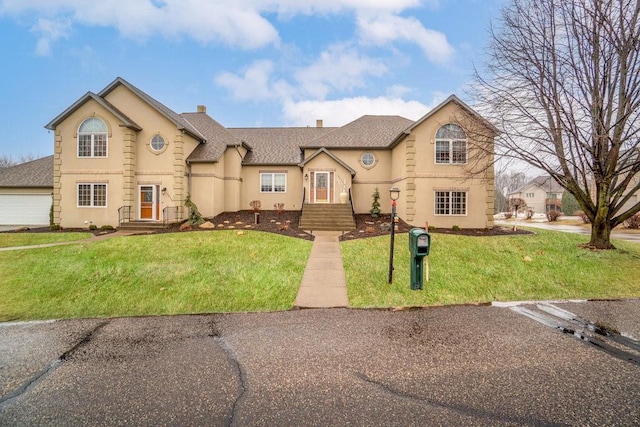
<point x="37" y="173"/>
<point x="217" y="136"/>
<point x="277" y="145"/>
<point x="365" y="132"/>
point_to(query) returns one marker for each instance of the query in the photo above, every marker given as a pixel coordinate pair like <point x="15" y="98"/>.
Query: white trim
<point x="273" y="182"/>
<point x="435" y="203"/>
<point x="92" y="195"/>
<point x="154" y="202"/>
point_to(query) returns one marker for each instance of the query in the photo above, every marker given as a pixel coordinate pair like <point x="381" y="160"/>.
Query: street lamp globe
<point x="394" y="193"/>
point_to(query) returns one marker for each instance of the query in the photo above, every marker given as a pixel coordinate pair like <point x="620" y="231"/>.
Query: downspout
<point x="189" y="177"/>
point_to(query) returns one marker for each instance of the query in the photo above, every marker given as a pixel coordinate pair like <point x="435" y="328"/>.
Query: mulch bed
<point x="286" y="223"/>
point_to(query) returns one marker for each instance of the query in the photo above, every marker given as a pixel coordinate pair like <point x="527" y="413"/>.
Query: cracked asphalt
<point x="463" y="365"/>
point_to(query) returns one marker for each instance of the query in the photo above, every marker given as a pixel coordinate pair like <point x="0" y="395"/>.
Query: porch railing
<point x="353" y="210"/>
<point x="124" y="214"/>
<point x="170" y="214"/>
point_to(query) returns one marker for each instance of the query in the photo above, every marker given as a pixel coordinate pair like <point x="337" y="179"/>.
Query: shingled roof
<point x="544" y="182"/>
<point x="35" y="174"/>
<point x="365" y="132"/>
<point x="277" y="145"/>
<point x="217" y="136"/>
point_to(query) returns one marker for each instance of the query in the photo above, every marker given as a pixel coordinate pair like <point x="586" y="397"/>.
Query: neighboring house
<point x="25" y="193"/>
<point x="542" y="194"/>
<point x="121" y="155"/>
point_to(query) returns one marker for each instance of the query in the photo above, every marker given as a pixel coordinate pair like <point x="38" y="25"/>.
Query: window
<point x="451" y="203"/>
<point x="92" y="195"/>
<point x="451" y="145"/>
<point x="273" y="182"/>
<point x="368" y="160"/>
<point x="92" y="138"/>
<point x="530" y="195"/>
<point x="157" y="143"/>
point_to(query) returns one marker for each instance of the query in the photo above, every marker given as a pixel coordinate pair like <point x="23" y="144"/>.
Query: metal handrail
<point x="169" y="213"/>
<point x="124" y="214"/>
<point x="353" y="210"/>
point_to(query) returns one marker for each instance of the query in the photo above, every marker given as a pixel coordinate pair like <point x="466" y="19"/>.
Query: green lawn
<point x="172" y="273"/>
<point x="29" y="239"/>
<point x="484" y="269"/>
<point x="222" y="271"/>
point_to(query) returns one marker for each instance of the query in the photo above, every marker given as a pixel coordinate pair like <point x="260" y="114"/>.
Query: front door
<point x="149" y="209"/>
<point x="322" y="187"/>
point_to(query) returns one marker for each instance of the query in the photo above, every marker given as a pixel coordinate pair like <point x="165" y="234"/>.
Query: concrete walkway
<point x="323" y="283"/>
<point x="575" y="229"/>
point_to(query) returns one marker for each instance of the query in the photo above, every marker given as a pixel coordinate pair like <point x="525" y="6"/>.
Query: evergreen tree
<point x="375" y="205"/>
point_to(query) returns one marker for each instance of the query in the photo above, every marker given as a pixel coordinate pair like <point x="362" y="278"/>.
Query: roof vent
<point x="202" y="108"/>
<point x="319" y="123"/>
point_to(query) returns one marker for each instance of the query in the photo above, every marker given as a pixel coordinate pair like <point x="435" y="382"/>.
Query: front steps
<point x="141" y="226"/>
<point x="327" y="217"/>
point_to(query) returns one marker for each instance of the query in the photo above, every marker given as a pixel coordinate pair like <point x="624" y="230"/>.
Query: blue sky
<point x="251" y="62"/>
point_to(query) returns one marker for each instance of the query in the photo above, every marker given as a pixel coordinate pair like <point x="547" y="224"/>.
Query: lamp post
<point x="394" y="193"/>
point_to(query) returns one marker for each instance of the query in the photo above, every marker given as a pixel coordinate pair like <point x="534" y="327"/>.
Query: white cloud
<point x="342" y="111"/>
<point x="340" y="68"/>
<point x="256" y="83"/>
<point x="49" y="32"/>
<point x="382" y="29"/>
<point x="237" y="23"/>
<point x="289" y="8"/>
<point x="223" y="21"/>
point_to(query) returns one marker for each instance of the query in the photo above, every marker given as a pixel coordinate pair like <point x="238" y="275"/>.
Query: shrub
<point x="106" y="228"/>
<point x="375" y="205"/>
<point x="93" y="227"/>
<point x="55" y="227"/>
<point x="195" y="217"/>
<point x="255" y="205"/>
<point x="279" y="207"/>
<point x="583" y="216"/>
<point x="633" y="222"/>
<point x="553" y="215"/>
<point x="455" y="228"/>
<point x="508" y="215"/>
<point x="432" y="228"/>
<point x="529" y="213"/>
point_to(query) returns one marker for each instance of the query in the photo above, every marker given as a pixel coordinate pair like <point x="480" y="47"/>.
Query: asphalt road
<point x="462" y="366"/>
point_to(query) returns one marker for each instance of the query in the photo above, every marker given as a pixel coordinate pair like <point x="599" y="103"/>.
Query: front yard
<point x="231" y="270"/>
<point x="221" y="271"/>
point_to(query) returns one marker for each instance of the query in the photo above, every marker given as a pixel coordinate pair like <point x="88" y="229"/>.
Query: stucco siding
<point x="292" y="198"/>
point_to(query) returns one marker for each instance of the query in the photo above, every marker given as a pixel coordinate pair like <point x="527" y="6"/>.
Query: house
<point x="25" y="193"/>
<point x="120" y="155"/>
<point x="542" y="194"/>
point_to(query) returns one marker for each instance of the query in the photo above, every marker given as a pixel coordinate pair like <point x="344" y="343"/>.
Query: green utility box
<point x="419" y="245"/>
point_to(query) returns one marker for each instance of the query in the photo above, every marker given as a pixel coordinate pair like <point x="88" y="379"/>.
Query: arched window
<point x="451" y="145"/>
<point x="92" y="138"/>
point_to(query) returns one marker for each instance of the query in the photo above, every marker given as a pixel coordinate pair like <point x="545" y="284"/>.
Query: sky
<point x="253" y="63"/>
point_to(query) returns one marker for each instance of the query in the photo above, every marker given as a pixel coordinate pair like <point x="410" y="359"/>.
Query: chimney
<point x="202" y="108"/>
<point x="319" y="123"/>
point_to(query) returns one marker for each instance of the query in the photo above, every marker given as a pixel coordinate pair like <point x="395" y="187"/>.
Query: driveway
<point x="464" y="365"/>
<point x="576" y="229"/>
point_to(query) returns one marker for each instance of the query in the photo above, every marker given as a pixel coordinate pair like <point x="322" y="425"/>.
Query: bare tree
<point x="509" y="181"/>
<point x="562" y="83"/>
<point x="7" y="161"/>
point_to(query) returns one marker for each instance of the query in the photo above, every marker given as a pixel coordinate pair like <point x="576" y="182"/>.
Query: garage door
<point x="25" y="209"/>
